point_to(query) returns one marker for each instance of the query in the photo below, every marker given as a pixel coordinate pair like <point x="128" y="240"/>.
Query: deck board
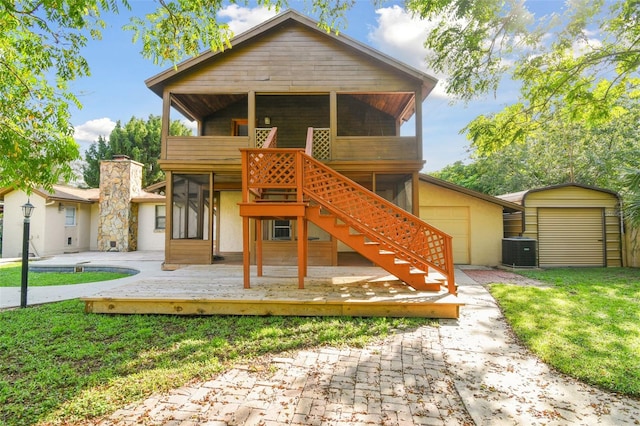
<point x="329" y="291"/>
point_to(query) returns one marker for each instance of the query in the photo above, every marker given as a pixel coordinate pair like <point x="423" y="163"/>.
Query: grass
<point x="59" y="365"/>
<point x="585" y="324"/>
<point x="11" y="275"/>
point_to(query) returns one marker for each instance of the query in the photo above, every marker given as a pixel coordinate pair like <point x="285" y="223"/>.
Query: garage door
<point x="455" y="222"/>
<point x="570" y="237"/>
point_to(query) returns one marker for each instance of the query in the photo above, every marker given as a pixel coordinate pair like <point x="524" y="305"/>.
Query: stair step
<point x="370" y="249"/>
<point x="437" y="276"/>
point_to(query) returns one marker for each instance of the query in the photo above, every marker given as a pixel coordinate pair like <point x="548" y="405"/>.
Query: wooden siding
<point x="219" y="124"/>
<point x="576" y="198"/>
<point x="292" y="58"/>
<point x="361" y="148"/>
<point x="189" y="252"/>
<point x="216" y="148"/>
<point x="285" y="253"/>
<point x="357" y="118"/>
<point x="293" y="115"/>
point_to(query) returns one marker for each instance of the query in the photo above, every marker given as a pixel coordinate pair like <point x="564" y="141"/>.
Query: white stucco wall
<point x="48" y="233"/>
<point x="93" y="231"/>
<point x="56" y="231"/>
<point x="13" y="224"/>
<point x="61" y="238"/>
<point x="230" y="222"/>
<point x="148" y="237"/>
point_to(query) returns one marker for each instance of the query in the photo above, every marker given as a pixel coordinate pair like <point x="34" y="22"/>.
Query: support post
<point x="25" y="263"/>
<point x="259" y="246"/>
<point x="245" y="251"/>
<point x="302" y="253"/>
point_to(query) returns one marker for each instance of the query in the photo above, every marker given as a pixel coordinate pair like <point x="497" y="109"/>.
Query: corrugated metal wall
<point x="571" y="237"/>
<point x="558" y="216"/>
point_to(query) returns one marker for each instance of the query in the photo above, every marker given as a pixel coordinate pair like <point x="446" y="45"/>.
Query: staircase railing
<point x="272" y="139"/>
<point x="271" y="169"/>
<point x="410" y="238"/>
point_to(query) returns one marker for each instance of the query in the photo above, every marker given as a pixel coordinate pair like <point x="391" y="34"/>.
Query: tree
<point x="40" y="54"/>
<point x="40" y="46"/>
<point x="475" y="44"/>
<point x="563" y="69"/>
<point x="560" y="152"/>
<point x="138" y="139"/>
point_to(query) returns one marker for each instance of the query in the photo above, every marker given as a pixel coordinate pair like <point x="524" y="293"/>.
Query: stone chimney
<point x="120" y="182"/>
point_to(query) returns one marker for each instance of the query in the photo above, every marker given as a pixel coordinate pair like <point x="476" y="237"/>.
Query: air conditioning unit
<point x="519" y="252"/>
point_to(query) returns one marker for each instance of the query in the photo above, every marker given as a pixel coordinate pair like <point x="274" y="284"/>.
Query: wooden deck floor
<point x="329" y="291"/>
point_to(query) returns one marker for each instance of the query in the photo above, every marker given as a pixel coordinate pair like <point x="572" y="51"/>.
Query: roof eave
<point x="157" y="82"/>
<point x="454" y="187"/>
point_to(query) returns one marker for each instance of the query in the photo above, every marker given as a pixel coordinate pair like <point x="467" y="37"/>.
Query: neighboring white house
<point x="118" y="216"/>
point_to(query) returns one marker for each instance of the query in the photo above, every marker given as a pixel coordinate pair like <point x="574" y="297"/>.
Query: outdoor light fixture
<point x="267" y="121"/>
<point x="27" y="210"/>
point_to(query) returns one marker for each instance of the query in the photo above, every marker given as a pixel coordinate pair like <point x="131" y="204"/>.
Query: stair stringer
<point x="372" y="250"/>
<point x="411" y="239"/>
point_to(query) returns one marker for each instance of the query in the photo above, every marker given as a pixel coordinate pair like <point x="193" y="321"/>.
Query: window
<point x="69" y="216"/>
<point x="161" y="212"/>
<point x="190" y="207"/>
<point x="239" y="127"/>
<point x="281" y="230"/>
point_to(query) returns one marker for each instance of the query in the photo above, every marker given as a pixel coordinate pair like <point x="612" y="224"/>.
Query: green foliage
<point x="577" y="78"/>
<point x="632" y="210"/>
<point x="40" y="46"/>
<point x="138" y="139"/>
<point x="585" y="324"/>
<point x="11" y="275"/>
<point x="62" y="366"/>
<point x="559" y="152"/>
<point x="472" y="39"/>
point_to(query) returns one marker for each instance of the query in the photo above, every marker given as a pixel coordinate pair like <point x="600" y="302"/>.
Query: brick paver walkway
<point x="400" y="381"/>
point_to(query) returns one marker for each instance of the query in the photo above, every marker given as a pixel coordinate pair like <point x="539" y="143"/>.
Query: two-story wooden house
<point x="320" y="103"/>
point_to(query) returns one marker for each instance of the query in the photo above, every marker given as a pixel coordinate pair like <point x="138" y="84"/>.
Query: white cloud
<point x="402" y="36"/>
<point x="244" y="18"/>
<point x="88" y="132"/>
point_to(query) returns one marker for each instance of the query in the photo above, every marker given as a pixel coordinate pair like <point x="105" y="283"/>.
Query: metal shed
<point x="574" y="224"/>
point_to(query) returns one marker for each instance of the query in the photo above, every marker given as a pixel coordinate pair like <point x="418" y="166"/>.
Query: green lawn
<point x="11" y="276"/>
<point x="586" y="324"/>
<point x="61" y="365"/>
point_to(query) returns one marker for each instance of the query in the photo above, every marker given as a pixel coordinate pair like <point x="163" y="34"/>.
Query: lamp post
<point x="27" y="209"/>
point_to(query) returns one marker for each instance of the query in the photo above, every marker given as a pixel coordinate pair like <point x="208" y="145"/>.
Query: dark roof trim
<point x="511" y="207"/>
<point x="157" y="82"/>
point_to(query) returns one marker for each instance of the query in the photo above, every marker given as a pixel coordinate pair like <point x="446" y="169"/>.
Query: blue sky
<point x="116" y="90"/>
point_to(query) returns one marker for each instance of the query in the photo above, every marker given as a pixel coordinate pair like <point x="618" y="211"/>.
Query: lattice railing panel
<point x="271" y="168"/>
<point x="262" y="134"/>
<point x="395" y="229"/>
<point x="322" y="144"/>
<point x="412" y="240"/>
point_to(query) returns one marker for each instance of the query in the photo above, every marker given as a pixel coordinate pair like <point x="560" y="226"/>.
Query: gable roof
<point x="520" y="197"/>
<point x="157" y="82"/>
<point x="506" y="205"/>
<point x="63" y="193"/>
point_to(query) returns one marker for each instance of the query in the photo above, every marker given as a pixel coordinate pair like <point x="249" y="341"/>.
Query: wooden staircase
<point x="387" y="235"/>
<point x="371" y="250"/>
